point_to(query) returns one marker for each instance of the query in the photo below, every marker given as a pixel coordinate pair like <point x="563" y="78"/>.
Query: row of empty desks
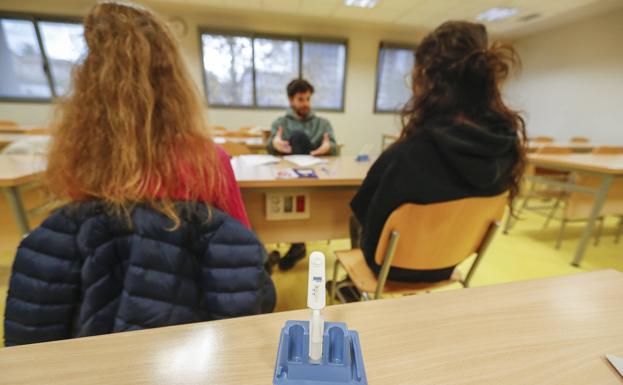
<point x="607" y="167"/>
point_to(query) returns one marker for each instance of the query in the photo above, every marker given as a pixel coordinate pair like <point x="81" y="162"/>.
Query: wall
<point x="355" y="127"/>
<point x="572" y="80"/>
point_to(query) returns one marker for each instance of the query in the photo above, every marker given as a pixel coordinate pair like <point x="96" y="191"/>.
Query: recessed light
<point x="496" y="14"/>
<point x="361" y="3"/>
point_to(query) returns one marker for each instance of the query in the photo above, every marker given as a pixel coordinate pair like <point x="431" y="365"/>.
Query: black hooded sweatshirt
<point x="444" y="161"/>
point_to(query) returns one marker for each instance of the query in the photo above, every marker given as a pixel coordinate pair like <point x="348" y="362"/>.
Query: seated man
<point x="299" y="131"/>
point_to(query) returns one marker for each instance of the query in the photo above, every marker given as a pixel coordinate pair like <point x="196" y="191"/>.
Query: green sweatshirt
<point x="312" y="125"/>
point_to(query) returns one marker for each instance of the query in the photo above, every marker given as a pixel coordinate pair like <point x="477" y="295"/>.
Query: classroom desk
<point x="17" y="171"/>
<point x="28" y="130"/>
<point x="607" y="167"/>
<point x="253" y="143"/>
<point x="549" y="331"/>
<point x="256" y="145"/>
<point x="10" y="138"/>
<point x="330" y="197"/>
<point x="575" y="147"/>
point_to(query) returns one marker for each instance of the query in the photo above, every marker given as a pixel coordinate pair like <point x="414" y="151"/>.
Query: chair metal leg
<point x="509" y="221"/>
<point x="600" y="198"/>
<point x="552" y="212"/>
<point x="336" y="265"/>
<point x="600" y="229"/>
<point x="480" y="252"/>
<point x="387" y="262"/>
<point x="561" y="232"/>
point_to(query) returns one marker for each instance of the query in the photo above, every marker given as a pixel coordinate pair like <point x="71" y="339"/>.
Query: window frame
<point x="300" y="39"/>
<point x="389" y="45"/>
<point x="35" y="18"/>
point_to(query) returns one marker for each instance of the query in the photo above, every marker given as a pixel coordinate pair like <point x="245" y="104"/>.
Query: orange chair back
<point x="554" y="150"/>
<point x="580" y="139"/>
<point x="439" y="235"/>
<point x="235" y="149"/>
<point x="542" y="139"/>
<point x="610" y="150"/>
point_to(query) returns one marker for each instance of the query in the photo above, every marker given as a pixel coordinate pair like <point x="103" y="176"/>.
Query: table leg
<point x="15" y="202"/>
<point x="600" y="198"/>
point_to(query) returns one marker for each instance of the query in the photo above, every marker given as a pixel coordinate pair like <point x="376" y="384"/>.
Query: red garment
<point x="235" y="204"/>
<point x="230" y="200"/>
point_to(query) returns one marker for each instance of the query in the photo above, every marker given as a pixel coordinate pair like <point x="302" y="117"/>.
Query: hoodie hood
<point x="482" y="156"/>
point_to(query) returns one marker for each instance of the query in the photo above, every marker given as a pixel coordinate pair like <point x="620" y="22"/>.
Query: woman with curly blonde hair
<point x="148" y="237"/>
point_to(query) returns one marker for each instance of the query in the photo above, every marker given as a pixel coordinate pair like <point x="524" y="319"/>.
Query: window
<point x="276" y="64"/>
<point x="21" y="62"/>
<point x="253" y="70"/>
<point x="324" y="66"/>
<point x="36" y="57"/>
<point x="64" y="45"/>
<point x="228" y="67"/>
<point x="393" y="78"/>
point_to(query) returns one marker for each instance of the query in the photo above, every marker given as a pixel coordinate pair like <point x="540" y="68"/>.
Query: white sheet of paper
<point x="304" y="160"/>
<point x="616" y="362"/>
<point x="258" y="160"/>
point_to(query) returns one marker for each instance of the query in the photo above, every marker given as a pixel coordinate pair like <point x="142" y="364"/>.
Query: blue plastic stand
<point x="342" y="361"/>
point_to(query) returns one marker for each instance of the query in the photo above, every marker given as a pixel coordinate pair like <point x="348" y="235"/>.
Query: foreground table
<point x="329" y="194"/>
<point x="551" y="331"/>
<point x="607" y="167"/>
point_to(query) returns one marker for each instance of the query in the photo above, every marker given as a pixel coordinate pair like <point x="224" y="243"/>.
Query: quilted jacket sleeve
<point x="44" y="288"/>
<point x="235" y="282"/>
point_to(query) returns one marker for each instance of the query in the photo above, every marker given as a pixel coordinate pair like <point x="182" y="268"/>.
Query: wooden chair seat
<point x="365" y="280"/>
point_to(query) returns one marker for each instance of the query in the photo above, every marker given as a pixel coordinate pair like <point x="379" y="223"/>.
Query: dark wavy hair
<point x="457" y="76"/>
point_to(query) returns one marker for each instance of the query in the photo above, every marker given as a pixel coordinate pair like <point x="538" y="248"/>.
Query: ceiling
<point x="420" y="14"/>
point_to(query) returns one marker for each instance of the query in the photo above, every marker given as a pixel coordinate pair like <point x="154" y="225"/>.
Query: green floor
<point x="527" y="253"/>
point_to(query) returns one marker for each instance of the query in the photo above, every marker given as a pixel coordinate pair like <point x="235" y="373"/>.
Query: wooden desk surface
<point x="10" y="138"/>
<point x="31" y="130"/>
<point x="605" y="164"/>
<point x="551" y="331"/>
<point x="339" y="171"/>
<point x="19" y="169"/>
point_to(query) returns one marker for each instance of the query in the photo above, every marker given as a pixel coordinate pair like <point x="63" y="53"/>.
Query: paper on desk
<point x="304" y="160"/>
<point x="258" y="160"/>
<point x="616" y="362"/>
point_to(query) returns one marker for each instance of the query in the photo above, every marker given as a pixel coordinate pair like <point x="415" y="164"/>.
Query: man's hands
<point x="324" y="148"/>
<point x="282" y="146"/>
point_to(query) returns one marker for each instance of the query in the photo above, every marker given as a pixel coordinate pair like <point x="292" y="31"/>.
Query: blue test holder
<point x="342" y="361"/>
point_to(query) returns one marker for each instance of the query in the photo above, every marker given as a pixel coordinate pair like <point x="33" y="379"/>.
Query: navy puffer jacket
<point x="84" y="272"/>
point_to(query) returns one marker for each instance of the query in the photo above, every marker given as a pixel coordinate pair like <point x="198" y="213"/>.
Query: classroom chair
<point x="608" y="150"/>
<point x="234" y="149"/>
<point x="387" y="140"/>
<point x="422" y="237"/>
<point x="577" y="206"/>
<point x="536" y="191"/>
<point x="580" y="139"/>
<point x="541" y="139"/>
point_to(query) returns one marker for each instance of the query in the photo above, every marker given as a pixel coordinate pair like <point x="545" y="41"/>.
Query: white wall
<point x="572" y="80"/>
<point x="356" y="126"/>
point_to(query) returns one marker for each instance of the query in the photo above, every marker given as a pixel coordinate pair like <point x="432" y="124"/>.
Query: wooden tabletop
<point x="601" y="163"/>
<point x="19" y="169"/>
<point x="10" y="138"/>
<point x="339" y="171"/>
<point x="551" y="331"/>
<point x="31" y="130"/>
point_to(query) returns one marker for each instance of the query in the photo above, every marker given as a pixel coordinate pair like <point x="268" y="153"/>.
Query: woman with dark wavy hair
<point x="458" y="140"/>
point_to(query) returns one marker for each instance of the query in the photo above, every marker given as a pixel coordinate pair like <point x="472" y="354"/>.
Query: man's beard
<point x="302" y="112"/>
